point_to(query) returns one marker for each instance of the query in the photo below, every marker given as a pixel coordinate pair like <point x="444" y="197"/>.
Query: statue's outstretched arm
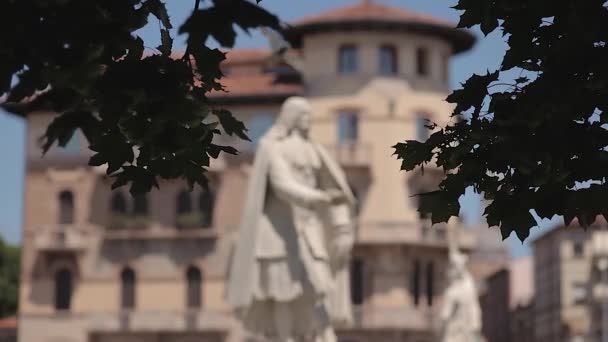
<point x="281" y="181"/>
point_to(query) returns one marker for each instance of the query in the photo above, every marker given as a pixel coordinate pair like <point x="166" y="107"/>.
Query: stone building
<point x="521" y="295"/>
<point x="494" y="302"/>
<point x="101" y="266"/>
<point x="569" y="283"/>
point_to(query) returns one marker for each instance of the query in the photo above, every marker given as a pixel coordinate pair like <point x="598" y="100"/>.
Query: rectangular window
<point x="422" y="62"/>
<point x="445" y="67"/>
<point x="422" y="132"/>
<point x="387" y="60"/>
<point x="348" y="127"/>
<point x="348" y="59"/>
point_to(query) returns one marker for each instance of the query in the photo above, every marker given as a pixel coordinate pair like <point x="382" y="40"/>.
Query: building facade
<point x="569" y="282"/>
<point x="99" y="265"/>
<point x="521" y="297"/>
<point x="494" y="302"/>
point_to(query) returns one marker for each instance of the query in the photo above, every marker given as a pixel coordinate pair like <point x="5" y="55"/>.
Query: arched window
<point x="416" y="282"/>
<point x="194" y="295"/>
<point x="430" y="286"/>
<point x="356" y="281"/>
<point x="63" y="289"/>
<point x="118" y="203"/>
<point x="66" y="207"/>
<point x="422" y="61"/>
<point x="127" y="295"/>
<point x="348" y="59"/>
<point x="206" y="205"/>
<point x="387" y="60"/>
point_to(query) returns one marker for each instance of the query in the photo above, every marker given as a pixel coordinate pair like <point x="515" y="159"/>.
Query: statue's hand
<point x="336" y="196"/>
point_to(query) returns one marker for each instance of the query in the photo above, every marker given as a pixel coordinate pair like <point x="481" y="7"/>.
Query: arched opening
<point x="127" y="295"/>
<point x="194" y="280"/>
<point x="206" y="205"/>
<point x="66" y="207"/>
<point x="63" y="289"/>
<point x="416" y="282"/>
<point x="430" y="280"/>
<point x="387" y="60"/>
<point x="356" y="281"/>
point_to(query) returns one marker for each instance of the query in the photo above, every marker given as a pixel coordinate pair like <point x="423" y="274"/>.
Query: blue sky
<point x="487" y="54"/>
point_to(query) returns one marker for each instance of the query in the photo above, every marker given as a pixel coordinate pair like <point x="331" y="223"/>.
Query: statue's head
<point x="295" y="114"/>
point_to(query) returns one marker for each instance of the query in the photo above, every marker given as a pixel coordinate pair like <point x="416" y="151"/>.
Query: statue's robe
<point x="461" y="314"/>
<point x="285" y="249"/>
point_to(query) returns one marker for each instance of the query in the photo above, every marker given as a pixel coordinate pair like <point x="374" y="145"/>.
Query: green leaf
<point x="215" y="150"/>
<point x="440" y="205"/>
<point x="230" y="124"/>
<point x="412" y="153"/>
<point x="472" y="93"/>
<point x="159" y="10"/>
<point x="166" y="43"/>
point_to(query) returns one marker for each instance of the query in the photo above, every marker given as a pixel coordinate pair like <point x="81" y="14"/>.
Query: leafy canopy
<point x="145" y="114"/>
<point x="9" y="279"/>
<point x="530" y="137"/>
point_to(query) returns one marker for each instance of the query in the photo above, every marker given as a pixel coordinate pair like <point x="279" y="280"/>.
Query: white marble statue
<point x="460" y="317"/>
<point x="288" y="278"/>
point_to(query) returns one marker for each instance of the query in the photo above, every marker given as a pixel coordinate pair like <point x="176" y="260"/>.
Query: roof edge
<point x="460" y="39"/>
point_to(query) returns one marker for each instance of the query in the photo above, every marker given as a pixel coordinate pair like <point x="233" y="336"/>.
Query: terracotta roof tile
<point x="255" y="85"/>
<point x="369" y="15"/>
<point x="368" y="10"/>
<point x="8" y="323"/>
<point x="246" y="56"/>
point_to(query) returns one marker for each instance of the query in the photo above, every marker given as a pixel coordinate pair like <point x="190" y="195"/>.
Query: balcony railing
<point x="139" y="321"/>
<point x="59" y="238"/>
<point x="161" y="233"/>
<point x="421" y="233"/>
<point x="421" y="319"/>
<point x="351" y="154"/>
